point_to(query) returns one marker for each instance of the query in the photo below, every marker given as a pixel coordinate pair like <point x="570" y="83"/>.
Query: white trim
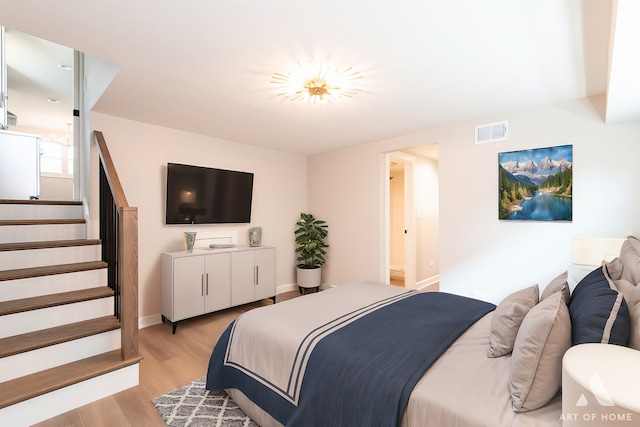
<point x="429" y="281"/>
<point x="154" y="319"/>
<point x="49" y="405"/>
<point x="286" y="288"/>
<point x="410" y="239"/>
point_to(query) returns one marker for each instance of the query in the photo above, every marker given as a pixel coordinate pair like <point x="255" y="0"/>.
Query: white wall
<point x="426" y="191"/>
<point x="425" y="221"/>
<point x="477" y="251"/>
<point x="141" y="152"/>
<point x="345" y="188"/>
<point x="54" y="188"/>
<point x="396" y="219"/>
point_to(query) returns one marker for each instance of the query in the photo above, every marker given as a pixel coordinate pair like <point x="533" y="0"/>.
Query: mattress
<point x="463" y="387"/>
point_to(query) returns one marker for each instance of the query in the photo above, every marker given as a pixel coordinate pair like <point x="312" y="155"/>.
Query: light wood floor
<point x="170" y="361"/>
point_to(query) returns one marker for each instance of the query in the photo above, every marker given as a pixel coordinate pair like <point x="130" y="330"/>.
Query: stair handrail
<point x="122" y="239"/>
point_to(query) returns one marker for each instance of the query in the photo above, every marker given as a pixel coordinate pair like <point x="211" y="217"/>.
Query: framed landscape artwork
<point x="536" y="184"/>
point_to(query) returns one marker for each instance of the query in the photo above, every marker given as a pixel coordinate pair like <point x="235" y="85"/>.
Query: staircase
<point x="60" y="343"/>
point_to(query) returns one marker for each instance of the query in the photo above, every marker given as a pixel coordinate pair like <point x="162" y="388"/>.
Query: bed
<point x="372" y="354"/>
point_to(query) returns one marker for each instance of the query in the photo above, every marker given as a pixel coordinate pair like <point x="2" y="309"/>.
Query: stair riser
<point x="30" y="321"/>
<point x="52" y="362"/>
<point x="56" y="355"/>
<point x="10" y="260"/>
<point x="39" y="233"/>
<point x="60" y="401"/>
<point x="40" y="211"/>
<point x="36" y="286"/>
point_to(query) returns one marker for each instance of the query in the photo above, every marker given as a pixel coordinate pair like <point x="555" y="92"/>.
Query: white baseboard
<point x="424" y="284"/>
<point x="57" y="402"/>
<point x="286" y="288"/>
<point x="146" y="321"/>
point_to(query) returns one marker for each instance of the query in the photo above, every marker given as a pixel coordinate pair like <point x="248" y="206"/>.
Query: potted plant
<point x="310" y="234"/>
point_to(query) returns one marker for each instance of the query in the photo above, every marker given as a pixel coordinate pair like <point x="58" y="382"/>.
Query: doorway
<point x="40" y="89"/>
<point x="400" y="215"/>
<point x="411" y="218"/>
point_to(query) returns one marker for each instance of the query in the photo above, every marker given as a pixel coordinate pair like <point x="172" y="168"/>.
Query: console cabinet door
<point x="195" y="284"/>
<point x="188" y="287"/>
<point x="217" y="282"/>
<point x="242" y="277"/>
<point x="265" y="263"/>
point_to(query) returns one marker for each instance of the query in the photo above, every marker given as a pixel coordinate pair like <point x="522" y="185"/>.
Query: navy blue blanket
<point x="363" y="373"/>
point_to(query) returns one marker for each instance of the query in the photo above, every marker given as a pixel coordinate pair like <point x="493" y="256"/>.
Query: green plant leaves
<point x="310" y="234"/>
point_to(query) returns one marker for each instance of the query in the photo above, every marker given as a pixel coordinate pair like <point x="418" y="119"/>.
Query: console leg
<point x="174" y="326"/>
<point x="273" y="298"/>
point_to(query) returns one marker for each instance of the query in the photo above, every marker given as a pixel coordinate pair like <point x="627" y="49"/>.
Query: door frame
<point x="409" y="218"/>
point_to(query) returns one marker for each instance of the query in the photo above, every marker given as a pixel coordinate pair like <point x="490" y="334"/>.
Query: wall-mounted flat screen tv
<point x="201" y="195"/>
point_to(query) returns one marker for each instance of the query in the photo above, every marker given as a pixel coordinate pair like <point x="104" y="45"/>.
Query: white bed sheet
<point x="463" y="388"/>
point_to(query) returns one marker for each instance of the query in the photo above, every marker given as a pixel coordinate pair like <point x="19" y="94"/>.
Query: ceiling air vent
<point x="492" y="132"/>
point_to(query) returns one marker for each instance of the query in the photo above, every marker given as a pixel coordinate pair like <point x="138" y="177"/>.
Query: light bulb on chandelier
<point x="317" y="84"/>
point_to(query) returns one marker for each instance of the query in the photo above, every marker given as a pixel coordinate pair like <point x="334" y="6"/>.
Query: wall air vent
<point x="492" y="132"/>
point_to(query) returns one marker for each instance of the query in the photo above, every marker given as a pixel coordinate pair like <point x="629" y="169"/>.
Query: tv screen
<point x="201" y="195"/>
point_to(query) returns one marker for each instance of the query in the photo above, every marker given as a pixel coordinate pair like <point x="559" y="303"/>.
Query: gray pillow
<point x="632" y="297"/>
<point x="614" y="268"/>
<point x="535" y="371"/>
<point x="630" y="257"/>
<point x="507" y="318"/>
<point x="559" y="284"/>
<point x="634" y="311"/>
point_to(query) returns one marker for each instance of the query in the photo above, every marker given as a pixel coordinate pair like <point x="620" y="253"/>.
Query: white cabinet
<point x="217" y="282"/>
<point x="188" y="288"/>
<point x="203" y="281"/>
<point x="19" y="165"/>
<point x="252" y="276"/>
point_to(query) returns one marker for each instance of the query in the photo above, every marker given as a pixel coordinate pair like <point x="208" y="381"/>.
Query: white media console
<point x="208" y="280"/>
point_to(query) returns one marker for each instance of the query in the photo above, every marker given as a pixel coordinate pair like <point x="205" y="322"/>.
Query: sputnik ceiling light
<point x="317" y="84"/>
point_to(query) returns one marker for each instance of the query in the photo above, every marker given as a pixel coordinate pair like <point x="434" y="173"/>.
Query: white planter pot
<point x="309" y="277"/>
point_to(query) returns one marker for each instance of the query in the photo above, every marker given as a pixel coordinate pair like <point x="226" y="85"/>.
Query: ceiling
<point x="37" y="73"/>
<point x="206" y="66"/>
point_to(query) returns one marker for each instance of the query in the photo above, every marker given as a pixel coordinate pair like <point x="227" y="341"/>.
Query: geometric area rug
<point x="194" y="406"/>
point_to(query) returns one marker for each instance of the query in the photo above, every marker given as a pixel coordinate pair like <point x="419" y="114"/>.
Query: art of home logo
<point x="597" y="412"/>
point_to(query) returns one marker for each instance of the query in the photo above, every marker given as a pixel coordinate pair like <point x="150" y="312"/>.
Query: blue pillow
<point x="599" y="314"/>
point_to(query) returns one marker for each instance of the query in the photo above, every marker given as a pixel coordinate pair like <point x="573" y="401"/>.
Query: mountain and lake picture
<point x="536" y="184"/>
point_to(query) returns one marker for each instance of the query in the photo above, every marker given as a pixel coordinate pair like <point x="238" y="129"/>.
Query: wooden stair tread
<point x="40" y="202"/>
<point x="48" y="244"/>
<point x="49" y="270"/>
<point x="63" y="337"/>
<point x="4" y="222"/>
<point x="47" y="337"/>
<point x="53" y="300"/>
<point x="30" y="386"/>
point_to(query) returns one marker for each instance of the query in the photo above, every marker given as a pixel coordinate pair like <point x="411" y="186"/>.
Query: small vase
<point x="190" y="238"/>
<point x="255" y="236"/>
